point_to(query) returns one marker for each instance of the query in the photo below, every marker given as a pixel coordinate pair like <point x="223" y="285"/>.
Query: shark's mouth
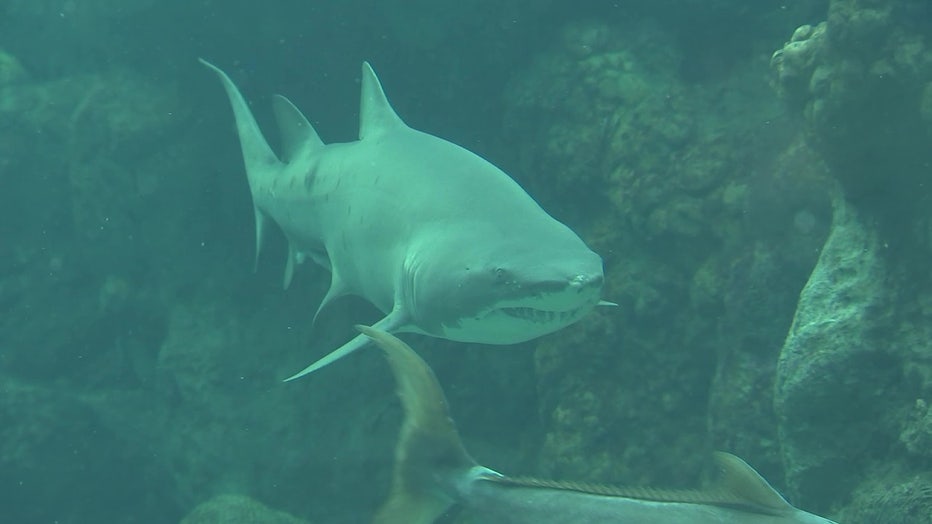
<point x="542" y="316"/>
<point x="516" y="320"/>
<point x="511" y="324"/>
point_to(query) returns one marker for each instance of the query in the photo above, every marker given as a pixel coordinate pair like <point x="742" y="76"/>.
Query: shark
<point x="434" y="472"/>
<point x="439" y="239"/>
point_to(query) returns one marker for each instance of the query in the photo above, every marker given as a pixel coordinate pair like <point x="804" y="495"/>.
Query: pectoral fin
<point x="391" y="322"/>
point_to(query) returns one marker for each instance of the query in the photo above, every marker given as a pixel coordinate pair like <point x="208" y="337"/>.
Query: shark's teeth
<point x="541" y="316"/>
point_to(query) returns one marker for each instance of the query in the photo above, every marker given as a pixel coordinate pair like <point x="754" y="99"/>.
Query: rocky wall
<point x="854" y="374"/>
<point x="709" y="213"/>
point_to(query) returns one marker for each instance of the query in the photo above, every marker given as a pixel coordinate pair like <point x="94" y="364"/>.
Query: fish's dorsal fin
<point x="375" y="113"/>
<point x="746" y="484"/>
<point x="297" y="134"/>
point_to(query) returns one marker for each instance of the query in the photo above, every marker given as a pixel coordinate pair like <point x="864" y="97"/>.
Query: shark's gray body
<point x="440" y="240"/>
<point x="433" y="472"/>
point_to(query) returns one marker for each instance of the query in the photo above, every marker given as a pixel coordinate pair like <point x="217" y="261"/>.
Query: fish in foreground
<point x="433" y="472"/>
<point x="440" y="240"/>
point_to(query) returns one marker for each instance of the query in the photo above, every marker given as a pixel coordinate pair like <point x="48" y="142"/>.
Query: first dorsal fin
<point x="297" y="134"/>
<point x="375" y="113"/>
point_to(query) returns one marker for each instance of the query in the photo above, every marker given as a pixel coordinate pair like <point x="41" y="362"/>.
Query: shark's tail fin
<point x="257" y="154"/>
<point x="429" y="445"/>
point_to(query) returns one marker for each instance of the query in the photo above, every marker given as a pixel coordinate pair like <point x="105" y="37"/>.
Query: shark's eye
<point x="503" y="276"/>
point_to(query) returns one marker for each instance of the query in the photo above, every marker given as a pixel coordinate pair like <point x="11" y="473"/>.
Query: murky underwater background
<point x="755" y="175"/>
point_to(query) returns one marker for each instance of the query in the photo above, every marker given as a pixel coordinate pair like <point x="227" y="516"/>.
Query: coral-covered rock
<point x="891" y="497"/>
<point x="847" y="376"/>
<point x="59" y="455"/>
<point x="859" y="79"/>
<point x="917" y="431"/>
<point x="854" y="375"/>
<point x="237" y="509"/>
<point x="795" y="64"/>
<point x="11" y="71"/>
<point x="705" y="231"/>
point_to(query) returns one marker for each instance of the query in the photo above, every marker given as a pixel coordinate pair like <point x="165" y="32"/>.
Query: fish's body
<point x="439" y="239"/>
<point x="433" y="472"/>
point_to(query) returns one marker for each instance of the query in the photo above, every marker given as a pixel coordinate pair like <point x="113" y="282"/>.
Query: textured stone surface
<point x="852" y="377"/>
<point x="854" y="374"/>
<point x="630" y="394"/>
<point x="891" y="498"/>
<point x="859" y="79"/>
<point x="237" y="509"/>
<point x="59" y="451"/>
<point x="832" y="377"/>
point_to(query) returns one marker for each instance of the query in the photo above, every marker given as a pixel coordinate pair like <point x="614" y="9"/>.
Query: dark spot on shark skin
<point x="309" y="178"/>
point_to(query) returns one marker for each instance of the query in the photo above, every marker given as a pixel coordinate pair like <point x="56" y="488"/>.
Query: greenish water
<point x="141" y="358"/>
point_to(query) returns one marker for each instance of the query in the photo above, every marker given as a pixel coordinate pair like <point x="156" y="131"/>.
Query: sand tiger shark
<point x="433" y="472"/>
<point x="440" y="240"/>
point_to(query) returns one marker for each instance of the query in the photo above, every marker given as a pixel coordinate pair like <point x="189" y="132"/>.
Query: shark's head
<point x="502" y="289"/>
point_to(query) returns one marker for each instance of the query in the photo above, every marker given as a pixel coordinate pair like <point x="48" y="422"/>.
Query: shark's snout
<point x="584" y="282"/>
<point x="529" y="301"/>
<point x="577" y="288"/>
